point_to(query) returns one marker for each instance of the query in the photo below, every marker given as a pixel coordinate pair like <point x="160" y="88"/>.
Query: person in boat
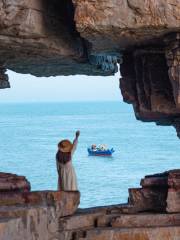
<point x="67" y="180"/>
<point x="93" y="147"/>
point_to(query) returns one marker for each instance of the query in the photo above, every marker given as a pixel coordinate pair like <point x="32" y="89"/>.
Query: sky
<point x="27" y="88"/>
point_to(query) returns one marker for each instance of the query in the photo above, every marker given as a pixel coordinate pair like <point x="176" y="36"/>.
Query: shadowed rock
<point x="51" y="38"/>
<point x="10" y="183"/>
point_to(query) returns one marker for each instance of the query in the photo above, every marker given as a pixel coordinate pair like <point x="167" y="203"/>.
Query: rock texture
<point x="39" y="37"/>
<point x="150" y="81"/>
<point x="152" y="213"/>
<point x="50" y="38"/>
<point x="12" y="183"/>
<point x="32" y="215"/>
<point x="117" y="25"/>
<point x="147" y="33"/>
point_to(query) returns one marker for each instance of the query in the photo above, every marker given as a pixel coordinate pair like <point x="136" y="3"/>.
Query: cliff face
<point x="49" y="38"/>
<point x="150" y="81"/>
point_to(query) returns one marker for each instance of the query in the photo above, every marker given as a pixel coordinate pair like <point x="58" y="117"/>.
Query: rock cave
<point x="53" y="38"/>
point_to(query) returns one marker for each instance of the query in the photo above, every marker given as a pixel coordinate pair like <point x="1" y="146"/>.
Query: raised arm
<point x="75" y="142"/>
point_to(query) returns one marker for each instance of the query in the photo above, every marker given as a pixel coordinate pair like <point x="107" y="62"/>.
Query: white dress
<point x="67" y="177"/>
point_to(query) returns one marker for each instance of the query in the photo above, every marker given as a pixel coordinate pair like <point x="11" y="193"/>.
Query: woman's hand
<point x="77" y="133"/>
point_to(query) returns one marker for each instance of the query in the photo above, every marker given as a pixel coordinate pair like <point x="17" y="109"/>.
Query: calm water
<point x="29" y="134"/>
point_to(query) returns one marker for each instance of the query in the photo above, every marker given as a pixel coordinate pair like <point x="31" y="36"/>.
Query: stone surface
<point x="53" y="215"/>
<point x="149" y="81"/>
<point x="65" y="202"/>
<point x="174" y="179"/>
<point x="10" y="183"/>
<point x="39" y="37"/>
<point x="79" y="221"/>
<point x="35" y="215"/>
<point x="146" y="220"/>
<point x="38" y="223"/>
<point x="115" y="25"/>
<point x="154" y="182"/>
<point x="168" y="233"/>
<point x="173" y="200"/>
<point x="173" y="61"/>
<point x="148" y="199"/>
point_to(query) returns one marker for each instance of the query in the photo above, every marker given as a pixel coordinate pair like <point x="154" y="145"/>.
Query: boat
<point x="100" y="152"/>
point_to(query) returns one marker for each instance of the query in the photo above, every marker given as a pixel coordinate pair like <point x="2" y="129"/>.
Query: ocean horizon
<point x="30" y="132"/>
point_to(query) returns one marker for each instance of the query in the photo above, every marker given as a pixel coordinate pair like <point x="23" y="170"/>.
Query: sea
<point x="29" y="133"/>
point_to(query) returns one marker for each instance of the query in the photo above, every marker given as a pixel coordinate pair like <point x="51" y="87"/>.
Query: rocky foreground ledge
<point x="152" y="212"/>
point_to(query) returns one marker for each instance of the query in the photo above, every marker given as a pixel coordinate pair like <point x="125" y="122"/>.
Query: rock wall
<point x="26" y="215"/>
<point x="150" y="81"/>
<point x="39" y="37"/>
<point x="49" y="38"/>
<point x="152" y="212"/>
<point x="118" y="25"/>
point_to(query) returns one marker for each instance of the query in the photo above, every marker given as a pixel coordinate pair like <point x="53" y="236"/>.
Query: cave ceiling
<point x="68" y="37"/>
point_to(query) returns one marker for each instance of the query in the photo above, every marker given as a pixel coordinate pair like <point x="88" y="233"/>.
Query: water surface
<point x="30" y="132"/>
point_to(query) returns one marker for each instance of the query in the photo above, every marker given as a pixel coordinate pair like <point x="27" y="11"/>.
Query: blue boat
<point x="99" y="152"/>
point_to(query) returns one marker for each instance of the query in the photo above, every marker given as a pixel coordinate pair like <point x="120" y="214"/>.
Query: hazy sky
<point x="27" y="88"/>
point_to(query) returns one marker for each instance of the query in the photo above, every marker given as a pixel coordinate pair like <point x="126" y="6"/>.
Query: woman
<point x="66" y="174"/>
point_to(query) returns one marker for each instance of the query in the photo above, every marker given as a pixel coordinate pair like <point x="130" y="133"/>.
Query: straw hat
<point x="65" y="146"/>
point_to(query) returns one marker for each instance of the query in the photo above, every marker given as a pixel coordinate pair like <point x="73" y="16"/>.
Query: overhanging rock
<point x="68" y="37"/>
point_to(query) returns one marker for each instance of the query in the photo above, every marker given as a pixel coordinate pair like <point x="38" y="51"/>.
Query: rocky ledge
<point x="152" y="213"/>
<point x="26" y="215"/>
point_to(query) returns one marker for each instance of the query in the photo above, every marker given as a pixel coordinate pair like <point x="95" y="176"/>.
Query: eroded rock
<point x="150" y="77"/>
<point x="50" y="38"/>
<point x="12" y="183"/>
<point x="39" y="37"/>
<point x="116" y="25"/>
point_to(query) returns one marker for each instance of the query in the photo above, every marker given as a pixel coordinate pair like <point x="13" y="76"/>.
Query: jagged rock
<point x="53" y="215"/>
<point x="50" y="38"/>
<point x="39" y="37"/>
<point x="116" y="25"/>
<point x="167" y="183"/>
<point x="173" y="61"/>
<point x="154" y="182"/>
<point x="40" y="223"/>
<point x="148" y="199"/>
<point x="146" y="83"/>
<point x="69" y="200"/>
<point x="13" y="183"/>
<point x="35" y="215"/>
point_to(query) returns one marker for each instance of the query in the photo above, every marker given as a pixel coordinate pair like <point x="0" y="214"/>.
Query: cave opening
<point x="52" y="45"/>
<point x="80" y="40"/>
<point x="32" y="129"/>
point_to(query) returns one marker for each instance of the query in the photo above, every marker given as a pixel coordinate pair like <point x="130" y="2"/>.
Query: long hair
<point x="62" y="157"/>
